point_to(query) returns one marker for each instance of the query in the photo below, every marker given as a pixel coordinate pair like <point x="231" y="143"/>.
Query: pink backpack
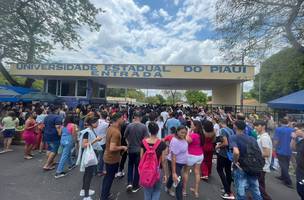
<point x="149" y="172"/>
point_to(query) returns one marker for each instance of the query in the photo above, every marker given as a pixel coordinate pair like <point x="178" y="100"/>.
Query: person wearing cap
<point x="112" y="154"/>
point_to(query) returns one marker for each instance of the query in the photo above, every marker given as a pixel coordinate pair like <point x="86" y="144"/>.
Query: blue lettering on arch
<point x="214" y="69"/>
<point x="188" y="69"/>
<point x="147" y="74"/>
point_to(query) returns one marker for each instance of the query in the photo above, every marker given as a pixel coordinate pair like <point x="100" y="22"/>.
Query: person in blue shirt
<point x="282" y="139"/>
<point x="51" y="135"/>
<point x="172" y="122"/>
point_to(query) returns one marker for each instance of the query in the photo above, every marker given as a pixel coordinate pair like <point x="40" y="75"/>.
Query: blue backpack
<point x="66" y="136"/>
<point x="229" y="132"/>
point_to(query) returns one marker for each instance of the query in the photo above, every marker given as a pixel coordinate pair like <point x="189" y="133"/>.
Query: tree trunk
<point x="288" y="27"/>
<point x="7" y="76"/>
<point x="30" y="58"/>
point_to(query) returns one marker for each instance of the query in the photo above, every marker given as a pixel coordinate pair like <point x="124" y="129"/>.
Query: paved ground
<point x="20" y="179"/>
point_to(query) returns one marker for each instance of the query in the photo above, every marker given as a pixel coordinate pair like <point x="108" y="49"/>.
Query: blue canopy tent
<point x="19" y="90"/>
<point x="8" y="95"/>
<point x="11" y="93"/>
<point x="40" y="96"/>
<point x="294" y="101"/>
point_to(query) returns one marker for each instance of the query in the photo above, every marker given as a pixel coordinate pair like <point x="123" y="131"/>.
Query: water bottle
<point x="218" y="149"/>
<point x="178" y="180"/>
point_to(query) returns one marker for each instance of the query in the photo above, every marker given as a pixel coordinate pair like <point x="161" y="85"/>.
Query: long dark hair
<point x="199" y="130"/>
<point x="68" y="119"/>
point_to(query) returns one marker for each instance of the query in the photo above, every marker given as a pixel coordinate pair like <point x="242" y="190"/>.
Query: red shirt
<point x="168" y="138"/>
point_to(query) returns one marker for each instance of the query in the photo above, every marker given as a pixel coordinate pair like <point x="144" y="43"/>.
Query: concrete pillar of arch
<point x="227" y="94"/>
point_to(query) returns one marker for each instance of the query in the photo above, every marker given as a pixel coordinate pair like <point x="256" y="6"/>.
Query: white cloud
<point x="127" y="36"/>
<point x="145" y="9"/>
<point x="164" y="14"/>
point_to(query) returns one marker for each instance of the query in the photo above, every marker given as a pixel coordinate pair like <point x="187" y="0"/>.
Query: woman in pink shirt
<point x="29" y="135"/>
<point x="196" y="141"/>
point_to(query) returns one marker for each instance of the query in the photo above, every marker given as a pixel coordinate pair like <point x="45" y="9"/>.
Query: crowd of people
<point x="164" y="145"/>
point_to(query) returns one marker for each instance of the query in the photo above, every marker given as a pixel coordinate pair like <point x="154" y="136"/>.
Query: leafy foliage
<point x="161" y="99"/>
<point x="152" y="100"/>
<point x="173" y="96"/>
<point x="131" y="93"/>
<point x="281" y="74"/>
<point x="155" y="100"/>
<point x="256" y="25"/>
<point x="38" y="84"/>
<point x="30" y="29"/>
<point x="196" y="97"/>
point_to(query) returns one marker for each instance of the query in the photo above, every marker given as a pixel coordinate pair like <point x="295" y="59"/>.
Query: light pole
<point x="260" y="83"/>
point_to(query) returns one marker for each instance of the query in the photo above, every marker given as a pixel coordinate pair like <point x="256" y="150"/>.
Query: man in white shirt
<point x="165" y="115"/>
<point x="101" y="131"/>
<point x="265" y="144"/>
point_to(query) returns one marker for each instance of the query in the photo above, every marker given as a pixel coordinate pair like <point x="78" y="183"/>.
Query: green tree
<point x="116" y="92"/>
<point x="38" y="84"/>
<point x="247" y="95"/>
<point x="122" y="92"/>
<point x="161" y="99"/>
<point x="136" y="94"/>
<point x="257" y="25"/>
<point x="281" y="74"/>
<point x="173" y="96"/>
<point x="30" y="29"/>
<point x="196" y="97"/>
<point x="152" y="100"/>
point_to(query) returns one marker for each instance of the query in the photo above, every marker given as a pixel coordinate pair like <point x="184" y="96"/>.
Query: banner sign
<point x="135" y="71"/>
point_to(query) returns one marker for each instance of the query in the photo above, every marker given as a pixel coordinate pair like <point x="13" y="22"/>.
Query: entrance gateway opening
<point x="85" y="83"/>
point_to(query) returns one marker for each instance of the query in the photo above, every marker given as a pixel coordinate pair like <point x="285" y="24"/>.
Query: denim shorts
<point x="9" y="133"/>
<point x="53" y="146"/>
<point x="194" y="160"/>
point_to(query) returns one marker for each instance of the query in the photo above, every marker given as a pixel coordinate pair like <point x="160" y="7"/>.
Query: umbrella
<point x="40" y="96"/>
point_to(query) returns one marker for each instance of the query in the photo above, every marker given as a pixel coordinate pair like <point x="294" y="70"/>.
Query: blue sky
<point x="150" y="31"/>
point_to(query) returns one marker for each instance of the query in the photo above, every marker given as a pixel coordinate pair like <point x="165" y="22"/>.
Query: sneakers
<point x="134" y="190"/>
<point x="91" y="192"/>
<point x="71" y="167"/>
<point x="119" y="174"/>
<point x="170" y="192"/>
<point x="87" y="198"/>
<point x="228" y="196"/>
<point x="129" y="188"/>
<point x="59" y="175"/>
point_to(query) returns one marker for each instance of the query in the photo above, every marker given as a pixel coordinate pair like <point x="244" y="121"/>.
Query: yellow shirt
<point x="9" y="123"/>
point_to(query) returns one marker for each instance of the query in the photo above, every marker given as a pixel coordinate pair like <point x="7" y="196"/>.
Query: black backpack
<point x="252" y="162"/>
